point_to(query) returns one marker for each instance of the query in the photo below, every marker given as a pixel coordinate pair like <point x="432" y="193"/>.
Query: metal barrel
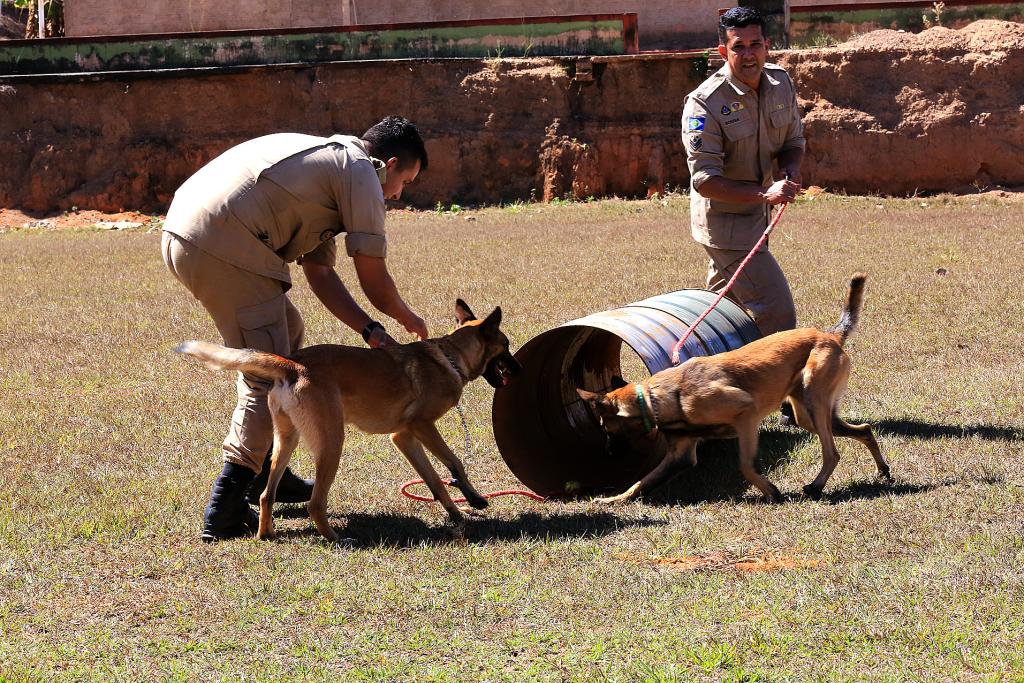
<point x="543" y="430"/>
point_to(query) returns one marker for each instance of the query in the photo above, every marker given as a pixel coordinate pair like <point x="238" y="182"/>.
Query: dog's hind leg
<point x="326" y="446"/>
<point x="412" y="449"/>
<point x="428" y="435"/>
<point x="821" y="414"/>
<point x="681" y="449"/>
<point x="862" y="433"/>
<point x="747" y="434"/>
<point x="322" y="423"/>
<point x="286" y="438"/>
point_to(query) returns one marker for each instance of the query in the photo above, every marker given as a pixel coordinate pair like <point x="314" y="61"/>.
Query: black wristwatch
<point x="370" y="327"/>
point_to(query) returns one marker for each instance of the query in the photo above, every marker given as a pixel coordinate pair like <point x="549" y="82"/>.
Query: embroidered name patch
<point x="695" y="123"/>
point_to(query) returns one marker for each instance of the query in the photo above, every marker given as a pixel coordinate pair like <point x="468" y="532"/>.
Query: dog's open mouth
<point x="501" y="370"/>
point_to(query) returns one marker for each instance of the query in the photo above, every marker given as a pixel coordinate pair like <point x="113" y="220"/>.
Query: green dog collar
<point x="644" y="412"/>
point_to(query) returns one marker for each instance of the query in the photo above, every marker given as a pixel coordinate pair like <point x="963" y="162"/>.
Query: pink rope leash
<point x="495" y="494"/>
<point x="771" y="226"/>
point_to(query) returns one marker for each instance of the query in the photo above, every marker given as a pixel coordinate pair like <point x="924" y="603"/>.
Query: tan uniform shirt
<point x="282" y="198"/>
<point x="731" y="130"/>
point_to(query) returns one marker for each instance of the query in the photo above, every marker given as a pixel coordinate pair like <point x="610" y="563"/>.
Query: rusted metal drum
<point x="545" y="433"/>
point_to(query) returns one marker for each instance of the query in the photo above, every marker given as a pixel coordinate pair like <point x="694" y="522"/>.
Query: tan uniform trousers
<point x="761" y="287"/>
<point x="250" y="311"/>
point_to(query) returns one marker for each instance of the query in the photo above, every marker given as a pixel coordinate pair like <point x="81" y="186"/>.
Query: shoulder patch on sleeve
<point x="695" y="124"/>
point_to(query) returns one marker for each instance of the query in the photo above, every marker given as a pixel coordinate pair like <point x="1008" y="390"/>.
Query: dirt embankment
<point x="888" y="112"/>
<point x="893" y="112"/>
<point x="495" y="129"/>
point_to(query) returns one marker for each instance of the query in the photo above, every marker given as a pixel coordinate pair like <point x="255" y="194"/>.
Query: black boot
<point x="227" y="514"/>
<point x="786" y="416"/>
<point x="292" y="489"/>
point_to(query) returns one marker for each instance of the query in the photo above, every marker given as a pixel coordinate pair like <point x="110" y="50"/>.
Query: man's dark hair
<point x="738" y="17"/>
<point x="395" y="136"/>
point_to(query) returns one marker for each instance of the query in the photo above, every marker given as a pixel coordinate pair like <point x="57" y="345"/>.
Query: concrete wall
<point x="664" y="24"/>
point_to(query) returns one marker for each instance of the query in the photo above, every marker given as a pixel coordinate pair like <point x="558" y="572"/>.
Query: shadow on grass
<point x="364" y="530"/>
<point x="878" y="488"/>
<point x="717" y="477"/>
<point x="932" y="430"/>
<point x="717" y="474"/>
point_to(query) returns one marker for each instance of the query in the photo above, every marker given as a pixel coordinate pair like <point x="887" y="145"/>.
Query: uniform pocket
<point x="781" y="118"/>
<point x="743" y="128"/>
<point x="265" y="326"/>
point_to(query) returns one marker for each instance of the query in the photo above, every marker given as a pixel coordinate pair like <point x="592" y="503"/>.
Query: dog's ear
<point x="463" y="313"/>
<point x="492" y="321"/>
<point x="599" y="403"/>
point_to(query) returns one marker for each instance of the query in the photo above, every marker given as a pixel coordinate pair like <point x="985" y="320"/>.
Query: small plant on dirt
<point x="514" y="207"/>
<point x="824" y="40"/>
<point x="936" y="15"/>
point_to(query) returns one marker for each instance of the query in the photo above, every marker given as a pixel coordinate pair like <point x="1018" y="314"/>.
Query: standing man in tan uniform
<point x="230" y="232"/>
<point x="736" y="125"/>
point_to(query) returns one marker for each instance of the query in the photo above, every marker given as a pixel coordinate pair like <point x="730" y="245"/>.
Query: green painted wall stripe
<point x="604" y="37"/>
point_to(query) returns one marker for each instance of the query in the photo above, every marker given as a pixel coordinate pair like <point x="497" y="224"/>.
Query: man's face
<point x="398" y="177"/>
<point x="745" y="50"/>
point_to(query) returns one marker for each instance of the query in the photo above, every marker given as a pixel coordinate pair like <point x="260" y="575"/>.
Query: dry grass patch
<point x="109" y="443"/>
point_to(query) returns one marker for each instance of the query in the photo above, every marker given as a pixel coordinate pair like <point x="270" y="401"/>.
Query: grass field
<point x="109" y="444"/>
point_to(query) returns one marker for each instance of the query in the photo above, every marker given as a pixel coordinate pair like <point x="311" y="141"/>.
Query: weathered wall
<point x="889" y="112"/>
<point x="130" y="141"/>
<point x="892" y="112"/>
<point x="663" y="24"/>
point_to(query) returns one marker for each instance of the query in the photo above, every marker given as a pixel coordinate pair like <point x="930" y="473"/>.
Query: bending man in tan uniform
<point x="738" y="123"/>
<point x="230" y="232"/>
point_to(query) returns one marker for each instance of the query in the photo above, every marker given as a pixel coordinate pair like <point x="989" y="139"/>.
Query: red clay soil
<point x="13" y="219"/>
<point x="888" y="112"/>
<point x="723" y="560"/>
<point x="893" y="112"/>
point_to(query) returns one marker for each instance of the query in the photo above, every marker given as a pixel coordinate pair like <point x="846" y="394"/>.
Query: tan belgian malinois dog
<point x="400" y="390"/>
<point x="728" y="394"/>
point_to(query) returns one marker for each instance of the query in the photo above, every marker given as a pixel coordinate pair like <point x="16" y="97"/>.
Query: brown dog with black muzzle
<point x="400" y="390"/>
<point x="730" y="393"/>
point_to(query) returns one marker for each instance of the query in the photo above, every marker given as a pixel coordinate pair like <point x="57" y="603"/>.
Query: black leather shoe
<point x="227" y="514"/>
<point x="292" y="489"/>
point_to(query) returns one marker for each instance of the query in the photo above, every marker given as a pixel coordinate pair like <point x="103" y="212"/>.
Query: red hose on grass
<point x="495" y="494"/>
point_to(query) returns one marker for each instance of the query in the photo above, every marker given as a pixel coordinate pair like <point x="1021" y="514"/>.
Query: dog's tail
<point x="851" y="309"/>
<point x="268" y="366"/>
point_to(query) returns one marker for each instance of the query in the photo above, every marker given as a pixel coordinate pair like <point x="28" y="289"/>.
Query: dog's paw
<point x="620" y="499"/>
<point x="456" y="533"/>
<point x="812" y="492"/>
<point x="471" y="512"/>
<point x="477" y="501"/>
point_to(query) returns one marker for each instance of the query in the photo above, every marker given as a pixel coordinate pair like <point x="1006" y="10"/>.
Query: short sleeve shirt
<point x="734" y="131"/>
<point x="283" y="198"/>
